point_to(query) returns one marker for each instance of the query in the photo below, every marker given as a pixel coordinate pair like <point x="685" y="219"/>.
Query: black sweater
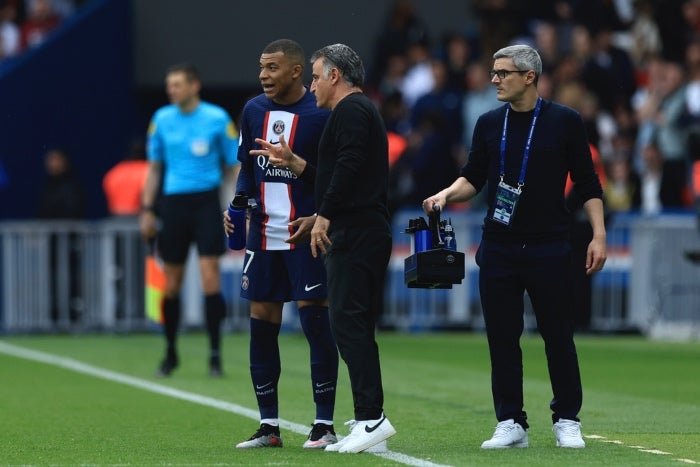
<point x="559" y="146"/>
<point x="353" y="166"/>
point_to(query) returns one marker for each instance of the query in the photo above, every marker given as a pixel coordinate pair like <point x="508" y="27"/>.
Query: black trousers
<point x="356" y="265"/>
<point x="507" y="270"/>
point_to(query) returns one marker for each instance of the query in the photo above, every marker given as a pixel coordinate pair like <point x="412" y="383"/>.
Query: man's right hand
<point x="303" y="226"/>
<point x="147" y="223"/>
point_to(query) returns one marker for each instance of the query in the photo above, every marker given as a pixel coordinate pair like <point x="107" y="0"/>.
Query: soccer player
<point x="191" y="141"/>
<point x="284" y="118"/>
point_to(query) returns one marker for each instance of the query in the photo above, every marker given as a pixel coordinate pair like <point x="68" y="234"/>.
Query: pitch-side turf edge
<point x="77" y="366"/>
<point x="658" y="452"/>
<point x="80" y="367"/>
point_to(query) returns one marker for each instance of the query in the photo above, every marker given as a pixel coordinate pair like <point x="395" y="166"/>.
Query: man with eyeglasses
<point x="524" y="151"/>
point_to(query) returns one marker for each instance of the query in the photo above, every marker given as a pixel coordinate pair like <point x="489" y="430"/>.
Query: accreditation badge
<point x="506" y="201"/>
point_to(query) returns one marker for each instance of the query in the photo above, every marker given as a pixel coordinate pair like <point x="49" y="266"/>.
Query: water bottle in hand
<point x="237" y="211"/>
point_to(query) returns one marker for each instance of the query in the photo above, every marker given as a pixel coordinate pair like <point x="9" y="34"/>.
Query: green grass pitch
<point x="93" y="400"/>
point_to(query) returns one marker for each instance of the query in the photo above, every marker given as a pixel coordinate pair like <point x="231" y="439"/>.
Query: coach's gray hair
<point x="524" y="58"/>
<point x="343" y="58"/>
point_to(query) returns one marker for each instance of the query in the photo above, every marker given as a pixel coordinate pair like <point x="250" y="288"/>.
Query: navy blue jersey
<point x="281" y="196"/>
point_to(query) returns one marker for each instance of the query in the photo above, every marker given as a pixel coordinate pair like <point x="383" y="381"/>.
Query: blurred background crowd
<point x="25" y="24"/>
<point x="630" y="67"/>
<point x="80" y="79"/>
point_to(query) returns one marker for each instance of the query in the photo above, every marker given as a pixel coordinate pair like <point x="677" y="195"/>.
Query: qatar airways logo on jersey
<point x="272" y="170"/>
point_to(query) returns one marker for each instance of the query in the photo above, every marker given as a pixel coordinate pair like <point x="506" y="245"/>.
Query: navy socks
<point x="265" y="365"/>
<point x="324" y="358"/>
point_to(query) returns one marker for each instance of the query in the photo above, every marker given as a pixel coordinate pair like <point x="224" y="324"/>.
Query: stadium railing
<point x="89" y="276"/>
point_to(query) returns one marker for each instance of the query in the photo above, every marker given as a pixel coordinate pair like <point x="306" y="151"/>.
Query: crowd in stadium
<point x="25" y="24"/>
<point x="630" y="67"/>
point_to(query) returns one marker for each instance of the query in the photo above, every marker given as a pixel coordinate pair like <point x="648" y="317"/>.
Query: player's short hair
<point x="291" y="50"/>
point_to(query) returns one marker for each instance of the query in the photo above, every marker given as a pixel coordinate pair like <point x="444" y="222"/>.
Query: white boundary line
<point x="603" y="439"/>
<point x="80" y="367"/>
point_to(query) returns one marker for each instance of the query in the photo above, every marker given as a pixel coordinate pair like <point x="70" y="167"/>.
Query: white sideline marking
<point x="79" y="367"/>
<point x="638" y="448"/>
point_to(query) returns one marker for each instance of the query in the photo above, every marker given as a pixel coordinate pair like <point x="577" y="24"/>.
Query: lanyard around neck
<point x="528" y="143"/>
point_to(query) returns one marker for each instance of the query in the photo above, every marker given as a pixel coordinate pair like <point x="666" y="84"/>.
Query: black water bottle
<point x="237" y="211"/>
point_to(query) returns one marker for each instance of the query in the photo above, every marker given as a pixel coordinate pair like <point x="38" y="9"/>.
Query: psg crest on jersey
<point x="278" y="127"/>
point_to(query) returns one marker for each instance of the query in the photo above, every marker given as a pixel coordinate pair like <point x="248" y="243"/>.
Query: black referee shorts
<point x="187" y="218"/>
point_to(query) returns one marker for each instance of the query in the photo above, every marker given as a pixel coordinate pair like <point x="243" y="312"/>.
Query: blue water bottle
<point x="237" y="211"/>
<point x="421" y="238"/>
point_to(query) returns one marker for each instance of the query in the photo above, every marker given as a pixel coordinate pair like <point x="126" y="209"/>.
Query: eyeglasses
<point x="502" y="74"/>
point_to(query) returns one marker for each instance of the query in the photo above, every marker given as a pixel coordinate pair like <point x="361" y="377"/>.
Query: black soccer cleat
<point x="166" y="367"/>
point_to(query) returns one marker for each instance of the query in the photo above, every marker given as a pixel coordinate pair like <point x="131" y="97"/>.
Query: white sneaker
<point x="376" y="449"/>
<point x="367" y="433"/>
<point x="568" y="433"/>
<point x="508" y="434"/>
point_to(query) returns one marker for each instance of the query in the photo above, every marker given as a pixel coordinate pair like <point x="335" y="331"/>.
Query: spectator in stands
<point x="499" y="22"/>
<point x="401" y="27"/>
<point x="418" y="79"/>
<point x="674" y="27"/>
<point x="123" y="184"/>
<point x="40" y="22"/>
<point x="190" y="144"/>
<point x="444" y="102"/>
<point x="522" y="152"/>
<point x="595" y="13"/>
<point x="651" y="179"/>
<point x="621" y="193"/>
<point x="645" y="36"/>
<point x="10" y="37"/>
<point x="391" y="81"/>
<point x="479" y="98"/>
<point x="62" y="8"/>
<point x="661" y="119"/>
<point x="608" y="72"/>
<point x="600" y="124"/>
<point x="457" y="54"/>
<point x="547" y="43"/>
<point x="434" y="143"/>
<point x="63" y="195"/>
<point x="63" y="198"/>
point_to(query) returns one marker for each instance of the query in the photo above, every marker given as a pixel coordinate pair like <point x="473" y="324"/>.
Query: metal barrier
<point x="57" y="276"/>
<point x="665" y="286"/>
<point x="83" y="276"/>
